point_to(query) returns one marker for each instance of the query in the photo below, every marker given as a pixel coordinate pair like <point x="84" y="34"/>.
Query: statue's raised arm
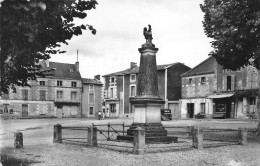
<point x="148" y="34"/>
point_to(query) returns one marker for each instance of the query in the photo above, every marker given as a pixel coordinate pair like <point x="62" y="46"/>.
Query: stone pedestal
<point x="147" y="103"/>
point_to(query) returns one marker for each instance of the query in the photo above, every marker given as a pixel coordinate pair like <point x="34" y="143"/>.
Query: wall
<point x="174" y="81"/>
<point x="196" y="89"/>
<point x="197" y="106"/>
<point x="85" y="100"/>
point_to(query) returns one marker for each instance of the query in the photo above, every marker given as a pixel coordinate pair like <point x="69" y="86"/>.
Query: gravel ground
<point x="49" y="154"/>
<point x="65" y="154"/>
<point x="40" y="151"/>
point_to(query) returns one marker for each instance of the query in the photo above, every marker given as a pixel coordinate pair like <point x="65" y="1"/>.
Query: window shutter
<point x="232" y="83"/>
<point x="224" y="83"/>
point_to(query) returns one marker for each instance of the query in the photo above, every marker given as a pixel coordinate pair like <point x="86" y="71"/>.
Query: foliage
<point x="31" y="30"/>
<point x="235" y="27"/>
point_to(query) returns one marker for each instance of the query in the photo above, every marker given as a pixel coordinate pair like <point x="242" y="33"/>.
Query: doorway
<point x="190" y="110"/>
<point x="59" y="112"/>
<point x="25" y="110"/>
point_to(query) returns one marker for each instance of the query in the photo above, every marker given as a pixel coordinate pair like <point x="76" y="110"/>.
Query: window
<point x="91" y="98"/>
<point x="220" y="107"/>
<point x="111" y="93"/>
<point x="6" y="108"/>
<point x="113" y="108"/>
<point x="73" y="84"/>
<point x="112" y="79"/>
<point x="11" y="111"/>
<point x="42" y="95"/>
<point x="24" y="94"/>
<point x="1" y="111"/>
<point x="190" y="81"/>
<point x="42" y="83"/>
<point x="132" y="90"/>
<point x="91" y="87"/>
<point x="59" y="94"/>
<point x="228" y="82"/>
<point x="203" y="80"/>
<point x="133" y="77"/>
<point x="202" y="108"/>
<point x="91" y="110"/>
<point x="59" y="83"/>
<point x="73" y="95"/>
<point x="252" y="100"/>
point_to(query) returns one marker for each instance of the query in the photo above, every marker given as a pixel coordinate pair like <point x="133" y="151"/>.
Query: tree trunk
<point x="258" y="100"/>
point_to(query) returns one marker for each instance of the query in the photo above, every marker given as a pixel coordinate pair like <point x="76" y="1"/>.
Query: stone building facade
<point x="219" y="93"/>
<point x="120" y="86"/>
<point x="59" y="94"/>
<point x="91" y="97"/>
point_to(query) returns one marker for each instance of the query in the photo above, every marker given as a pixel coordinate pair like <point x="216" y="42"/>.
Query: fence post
<point x="197" y="138"/>
<point x="242" y="136"/>
<point x="18" y="140"/>
<point x="57" y="134"/>
<point x="92" y="136"/>
<point x="191" y="133"/>
<point x="108" y="130"/>
<point x="139" y="140"/>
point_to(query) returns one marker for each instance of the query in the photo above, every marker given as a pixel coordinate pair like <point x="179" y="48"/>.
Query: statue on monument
<point x="148" y="34"/>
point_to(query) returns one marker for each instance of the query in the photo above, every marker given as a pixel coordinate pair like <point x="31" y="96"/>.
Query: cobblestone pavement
<point x="39" y="149"/>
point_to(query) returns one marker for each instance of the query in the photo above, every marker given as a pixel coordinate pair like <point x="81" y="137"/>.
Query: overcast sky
<point x="176" y="27"/>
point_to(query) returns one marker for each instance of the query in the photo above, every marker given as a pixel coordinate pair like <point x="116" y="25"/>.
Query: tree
<point x="31" y="30"/>
<point x="235" y="27"/>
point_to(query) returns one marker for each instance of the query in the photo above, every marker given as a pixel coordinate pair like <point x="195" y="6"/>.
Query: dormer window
<point x="132" y="77"/>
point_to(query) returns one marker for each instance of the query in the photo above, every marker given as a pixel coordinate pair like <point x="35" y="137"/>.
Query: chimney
<point x="47" y="62"/>
<point x="77" y="66"/>
<point x="133" y="65"/>
<point x="97" y="77"/>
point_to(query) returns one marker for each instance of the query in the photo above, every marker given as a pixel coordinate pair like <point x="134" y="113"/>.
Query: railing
<point x="105" y="136"/>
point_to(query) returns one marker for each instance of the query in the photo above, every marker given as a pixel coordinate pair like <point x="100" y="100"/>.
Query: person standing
<point x="99" y="115"/>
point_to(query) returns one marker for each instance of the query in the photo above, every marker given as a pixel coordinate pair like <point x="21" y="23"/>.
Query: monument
<point x="147" y="102"/>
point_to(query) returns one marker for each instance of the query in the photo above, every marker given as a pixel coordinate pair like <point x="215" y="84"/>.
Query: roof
<point x="61" y="70"/>
<point x="91" y="81"/>
<point x="205" y="67"/>
<point x="135" y="70"/>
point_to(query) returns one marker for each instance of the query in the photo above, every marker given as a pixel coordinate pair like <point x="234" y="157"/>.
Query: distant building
<point x="91" y="97"/>
<point x="59" y="94"/>
<point x="219" y="93"/>
<point x="120" y="86"/>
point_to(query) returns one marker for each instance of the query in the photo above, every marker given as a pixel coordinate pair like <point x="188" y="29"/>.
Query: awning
<point x="223" y="95"/>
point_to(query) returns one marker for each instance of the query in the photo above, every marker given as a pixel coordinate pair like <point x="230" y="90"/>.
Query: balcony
<point x="66" y="102"/>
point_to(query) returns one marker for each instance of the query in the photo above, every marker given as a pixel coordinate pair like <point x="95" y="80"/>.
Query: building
<point x="91" y="97"/>
<point x="59" y="94"/>
<point x="219" y="93"/>
<point x="120" y="86"/>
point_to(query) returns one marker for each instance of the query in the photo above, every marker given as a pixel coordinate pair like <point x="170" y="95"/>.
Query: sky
<point x="176" y="28"/>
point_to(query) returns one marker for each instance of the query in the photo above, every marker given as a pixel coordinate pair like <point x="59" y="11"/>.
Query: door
<point x="174" y="107"/>
<point x="25" y="110"/>
<point x="59" y="112"/>
<point x="190" y="110"/>
<point x="112" y="110"/>
<point x="228" y="110"/>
